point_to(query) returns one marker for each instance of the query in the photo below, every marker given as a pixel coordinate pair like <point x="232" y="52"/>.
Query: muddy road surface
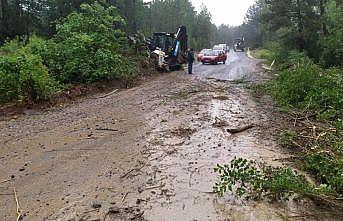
<point x="145" y="153"/>
<point x="237" y="67"/>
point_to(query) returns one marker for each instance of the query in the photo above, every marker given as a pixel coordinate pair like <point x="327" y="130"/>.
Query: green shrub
<point x="23" y="77"/>
<point x="332" y="54"/>
<point x="10" y="47"/>
<point x="88" y="46"/>
<point x="254" y="180"/>
<point x="264" y="54"/>
<point x="327" y="169"/>
<point x="309" y="87"/>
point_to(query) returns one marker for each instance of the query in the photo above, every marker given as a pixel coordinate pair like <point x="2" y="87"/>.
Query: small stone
<point x="96" y="205"/>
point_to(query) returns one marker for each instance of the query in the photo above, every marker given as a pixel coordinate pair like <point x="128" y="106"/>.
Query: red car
<point x="214" y="57"/>
<point x="202" y="52"/>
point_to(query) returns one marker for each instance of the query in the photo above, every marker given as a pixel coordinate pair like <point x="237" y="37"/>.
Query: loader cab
<point x="163" y="40"/>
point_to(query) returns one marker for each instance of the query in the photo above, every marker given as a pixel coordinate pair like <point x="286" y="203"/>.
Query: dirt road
<point x="145" y="153"/>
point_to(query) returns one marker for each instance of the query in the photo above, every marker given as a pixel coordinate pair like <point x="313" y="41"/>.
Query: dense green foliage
<point x="257" y="180"/>
<point x="26" y="17"/>
<point x="310" y="87"/>
<point x="88" y="46"/>
<point x="23" y="76"/>
<point x="311" y="27"/>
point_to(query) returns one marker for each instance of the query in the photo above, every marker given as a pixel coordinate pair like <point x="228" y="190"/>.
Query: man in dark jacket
<point x="190" y="60"/>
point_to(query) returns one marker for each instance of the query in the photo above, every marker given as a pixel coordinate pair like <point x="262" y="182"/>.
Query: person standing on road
<point x="190" y="60"/>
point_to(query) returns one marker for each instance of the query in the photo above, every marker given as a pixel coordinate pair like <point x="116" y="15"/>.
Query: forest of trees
<point x="22" y="17"/>
<point x="310" y="25"/>
<point x="67" y="33"/>
<point x="314" y="27"/>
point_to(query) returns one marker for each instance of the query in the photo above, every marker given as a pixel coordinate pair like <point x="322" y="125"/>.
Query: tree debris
<point x="239" y="130"/>
<point x="124" y="197"/>
<point x="106" y="129"/>
<point x="5" y="181"/>
<point x="219" y="123"/>
<point x="154" y="187"/>
<point x="19" y="216"/>
<point x="127" y="173"/>
<point x="72" y="149"/>
<point x="106" y="95"/>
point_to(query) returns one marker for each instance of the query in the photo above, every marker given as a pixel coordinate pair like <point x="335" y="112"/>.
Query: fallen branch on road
<point x="106" y="95"/>
<point x="5" y="181"/>
<point x="127" y="173"/>
<point x="239" y="130"/>
<point x="219" y="123"/>
<point x="154" y="187"/>
<point x="106" y="129"/>
<point x="19" y="216"/>
<point x="73" y="149"/>
<point x="124" y="197"/>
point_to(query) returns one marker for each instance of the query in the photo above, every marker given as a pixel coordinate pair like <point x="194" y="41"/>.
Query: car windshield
<point x="203" y="51"/>
<point x="217" y="48"/>
<point x="211" y="53"/>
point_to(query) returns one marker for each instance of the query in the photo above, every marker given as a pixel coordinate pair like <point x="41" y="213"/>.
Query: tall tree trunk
<point x="322" y="15"/>
<point x="4" y="8"/>
<point x="300" y="41"/>
<point x="4" y="19"/>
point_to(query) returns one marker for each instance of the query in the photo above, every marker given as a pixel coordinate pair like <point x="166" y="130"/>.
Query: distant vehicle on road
<point x="214" y="57"/>
<point x="220" y="47"/>
<point x="202" y="52"/>
<point x="239" y="44"/>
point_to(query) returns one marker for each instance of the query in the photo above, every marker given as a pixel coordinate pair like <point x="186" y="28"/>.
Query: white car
<point x="221" y="47"/>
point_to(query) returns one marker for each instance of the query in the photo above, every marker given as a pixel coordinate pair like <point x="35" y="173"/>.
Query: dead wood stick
<point x="73" y="149"/>
<point x="106" y="95"/>
<point x="154" y="187"/>
<point x="133" y="169"/>
<point x="106" y="129"/>
<point x="124" y="197"/>
<point x="17" y="203"/>
<point x="325" y="199"/>
<point x="241" y="129"/>
<point x="6" y="194"/>
<point x="312" y="115"/>
<point x="127" y="173"/>
<point x="138" y="215"/>
<point x="5" y="181"/>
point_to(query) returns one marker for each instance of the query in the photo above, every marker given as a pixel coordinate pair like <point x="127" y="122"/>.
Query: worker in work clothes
<point x="190" y="60"/>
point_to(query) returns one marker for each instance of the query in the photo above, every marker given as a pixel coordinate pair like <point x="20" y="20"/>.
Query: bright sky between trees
<point x="229" y="12"/>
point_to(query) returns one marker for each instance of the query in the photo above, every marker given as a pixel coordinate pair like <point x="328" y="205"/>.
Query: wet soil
<point x="145" y="153"/>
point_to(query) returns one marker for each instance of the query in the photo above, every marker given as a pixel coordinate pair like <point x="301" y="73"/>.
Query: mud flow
<point x="145" y="153"/>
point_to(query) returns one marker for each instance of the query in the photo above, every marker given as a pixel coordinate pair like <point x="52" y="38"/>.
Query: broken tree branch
<point x="154" y="187"/>
<point x="17" y="203"/>
<point x="106" y="129"/>
<point x="124" y="197"/>
<point x="106" y="95"/>
<point x="239" y="130"/>
<point x="73" y="149"/>
<point x="127" y="173"/>
<point x="133" y="169"/>
<point x="5" y="181"/>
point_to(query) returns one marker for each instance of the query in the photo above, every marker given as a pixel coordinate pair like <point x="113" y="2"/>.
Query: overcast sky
<point x="230" y="12"/>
